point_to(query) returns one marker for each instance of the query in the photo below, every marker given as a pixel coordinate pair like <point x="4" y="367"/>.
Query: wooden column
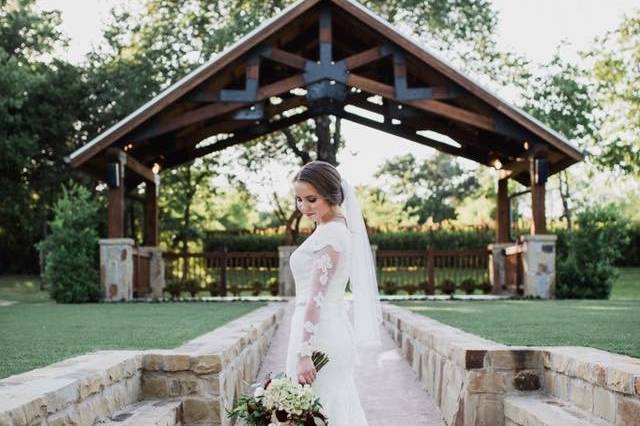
<point x="538" y="176"/>
<point x="116" y="198"/>
<point x="503" y="217"/>
<point x="151" y="212"/>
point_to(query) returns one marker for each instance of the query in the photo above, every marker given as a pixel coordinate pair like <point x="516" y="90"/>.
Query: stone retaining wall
<point x="206" y="373"/>
<point x="74" y="391"/>
<point x="469" y="376"/>
<point x="601" y="383"/>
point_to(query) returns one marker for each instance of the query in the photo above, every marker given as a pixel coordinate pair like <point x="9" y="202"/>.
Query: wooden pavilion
<point x="307" y="62"/>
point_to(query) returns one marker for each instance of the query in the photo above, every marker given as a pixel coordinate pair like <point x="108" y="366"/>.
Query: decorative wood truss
<point x="327" y="57"/>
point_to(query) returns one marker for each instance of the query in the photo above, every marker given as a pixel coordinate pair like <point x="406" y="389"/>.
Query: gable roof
<point x="503" y="119"/>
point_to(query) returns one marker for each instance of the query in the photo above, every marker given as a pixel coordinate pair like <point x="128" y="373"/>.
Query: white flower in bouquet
<point x="258" y="392"/>
<point x="283" y="394"/>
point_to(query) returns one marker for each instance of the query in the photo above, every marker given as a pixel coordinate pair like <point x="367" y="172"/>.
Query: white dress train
<point x="320" y="267"/>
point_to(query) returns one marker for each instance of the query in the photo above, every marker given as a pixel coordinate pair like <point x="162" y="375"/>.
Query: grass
<point x="627" y="286"/>
<point x="611" y="325"/>
<point x="37" y="332"/>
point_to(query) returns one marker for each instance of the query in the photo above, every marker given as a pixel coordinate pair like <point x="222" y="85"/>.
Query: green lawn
<point x="612" y="325"/>
<point x="627" y="285"/>
<point x="36" y="334"/>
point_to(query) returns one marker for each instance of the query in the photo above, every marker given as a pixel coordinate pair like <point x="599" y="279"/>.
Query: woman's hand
<point x="306" y="371"/>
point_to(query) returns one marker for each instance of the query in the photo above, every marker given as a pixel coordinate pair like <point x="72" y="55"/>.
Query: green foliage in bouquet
<point x="71" y="249"/>
<point x="280" y="399"/>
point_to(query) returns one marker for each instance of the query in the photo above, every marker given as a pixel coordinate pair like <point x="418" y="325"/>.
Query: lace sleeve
<point x="325" y="261"/>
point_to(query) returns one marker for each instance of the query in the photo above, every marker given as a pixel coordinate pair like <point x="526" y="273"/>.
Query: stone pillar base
<point x="539" y="256"/>
<point x="287" y="286"/>
<point x="498" y="267"/>
<point x="156" y="270"/>
<point x="116" y="268"/>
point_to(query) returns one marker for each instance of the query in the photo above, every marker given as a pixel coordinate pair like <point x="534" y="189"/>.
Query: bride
<point x="337" y="252"/>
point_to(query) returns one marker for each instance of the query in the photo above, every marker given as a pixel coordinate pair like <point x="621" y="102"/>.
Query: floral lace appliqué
<point x="323" y="263"/>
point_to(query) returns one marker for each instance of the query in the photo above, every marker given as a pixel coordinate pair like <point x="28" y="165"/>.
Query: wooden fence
<point x="410" y="271"/>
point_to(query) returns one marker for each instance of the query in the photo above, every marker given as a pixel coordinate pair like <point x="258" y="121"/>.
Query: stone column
<point x="498" y="266"/>
<point x="539" y="257"/>
<point x="116" y="268"/>
<point x="287" y="286"/>
<point x="156" y="271"/>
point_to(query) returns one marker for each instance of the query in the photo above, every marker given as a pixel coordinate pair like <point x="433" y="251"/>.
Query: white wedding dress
<point x="320" y="267"/>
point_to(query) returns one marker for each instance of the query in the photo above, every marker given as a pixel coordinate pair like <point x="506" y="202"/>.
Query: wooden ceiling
<point x="327" y="57"/>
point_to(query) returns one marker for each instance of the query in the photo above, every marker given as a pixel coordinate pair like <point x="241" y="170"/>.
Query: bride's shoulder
<point x="332" y="233"/>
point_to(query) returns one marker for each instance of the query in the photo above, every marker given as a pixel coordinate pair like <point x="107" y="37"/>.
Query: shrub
<point x="486" y="287"/>
<point x="410" y="288"/>
<point x="256" y="287"/>
<point x="212" y="286"/>
<point x="390" y="287"/>
<point x="424" y="285"/>
<point x="173" y="287"/>
<point x="234" y="289"/>
<point x="593" y="247"/>
<point x="71" y="251"/>
<point x="468" y="285"/>
<point x="273" y="285"/>
<point x="448" y="286"/>
<point x="192" y="285"/>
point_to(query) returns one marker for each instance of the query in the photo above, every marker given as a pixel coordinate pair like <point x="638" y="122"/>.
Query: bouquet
<point x="281" y="401"/>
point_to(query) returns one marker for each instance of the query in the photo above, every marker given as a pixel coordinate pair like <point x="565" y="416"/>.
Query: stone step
<point x="537" y="409"/>
<point x="165" y="412"/>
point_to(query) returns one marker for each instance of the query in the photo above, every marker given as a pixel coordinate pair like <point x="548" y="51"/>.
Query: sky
<point x="533" y="28"/>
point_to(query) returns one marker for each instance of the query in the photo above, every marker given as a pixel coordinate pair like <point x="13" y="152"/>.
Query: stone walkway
<point x="389" y="389"/>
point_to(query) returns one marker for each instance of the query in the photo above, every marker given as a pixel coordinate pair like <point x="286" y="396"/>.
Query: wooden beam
<point x="203" y="113"/>
<point x="151" y="213"/>
<point x="280" y="87"/>
<point x="363" y="58"/>
<point x="286" y="58"/>
<point x="134" y="165"/>
<point x="436" y="107"/>
<point x="539" y="222"/>
<point x="503" y="218"/>
<point x="371" y="86"/>
<point x="115" y="200"/>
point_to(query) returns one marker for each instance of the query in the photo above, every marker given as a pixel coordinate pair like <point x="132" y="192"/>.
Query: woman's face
<point x="310" y="203"/>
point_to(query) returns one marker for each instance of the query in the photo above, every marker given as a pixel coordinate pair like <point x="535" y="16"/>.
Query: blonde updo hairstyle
<point x="324" y="178"/>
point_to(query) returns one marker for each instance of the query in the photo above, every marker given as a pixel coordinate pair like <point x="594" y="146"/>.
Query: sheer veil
<point x="367" y="312"/>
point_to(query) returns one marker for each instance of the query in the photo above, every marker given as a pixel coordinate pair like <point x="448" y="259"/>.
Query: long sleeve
<point x="324" y="266"/>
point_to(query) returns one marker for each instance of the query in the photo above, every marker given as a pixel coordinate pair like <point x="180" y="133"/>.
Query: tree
<point x="71" y="249"/>
<point x="562" y="98"/>
<point x="430" y="189"/>
<point x="617" y="73"/>
<point x="41" y="104"/>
